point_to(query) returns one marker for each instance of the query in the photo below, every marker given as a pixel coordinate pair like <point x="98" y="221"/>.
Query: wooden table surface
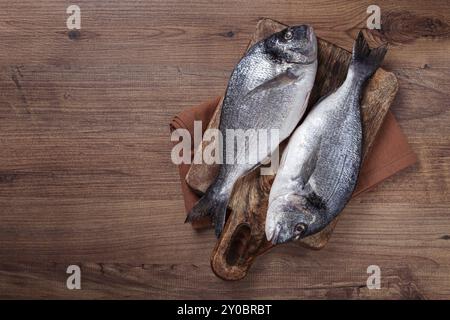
<point x="85" y="170"/>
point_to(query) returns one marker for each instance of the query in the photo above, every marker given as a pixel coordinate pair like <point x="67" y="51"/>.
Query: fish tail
<point x="213" y="204"/>
<point x="365" y="61"/>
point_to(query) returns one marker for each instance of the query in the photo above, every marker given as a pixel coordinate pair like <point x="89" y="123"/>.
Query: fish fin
<point x="365" y="61"/>
<point x="219" y="221"/>
<point x="281" y="80"/>
<point x="315" y="200"/>
<point x="335" y="188"/>
<point x="211" y="204"/>
<point x="309" y="165"/>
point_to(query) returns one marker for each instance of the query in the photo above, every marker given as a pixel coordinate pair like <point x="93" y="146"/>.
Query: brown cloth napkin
<point x="389" y="154"/>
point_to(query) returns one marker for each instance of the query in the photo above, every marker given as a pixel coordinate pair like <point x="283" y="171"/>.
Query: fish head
<point x="296" y="44"/>
<point x="290" y="217"/>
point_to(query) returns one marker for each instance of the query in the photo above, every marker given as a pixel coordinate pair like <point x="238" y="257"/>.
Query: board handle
<point x="241" y="242"/>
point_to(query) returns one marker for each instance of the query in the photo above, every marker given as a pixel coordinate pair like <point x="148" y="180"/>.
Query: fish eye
<point x="300" y="228"/>
<point x="288" y="35"/>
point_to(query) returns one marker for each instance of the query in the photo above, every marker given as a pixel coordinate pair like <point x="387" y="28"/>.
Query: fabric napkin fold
<point x="390" y="153"/>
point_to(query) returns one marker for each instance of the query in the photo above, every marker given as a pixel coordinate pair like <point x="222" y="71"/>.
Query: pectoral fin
<point x="308" y="167"/>
<point x="282" y="80"/>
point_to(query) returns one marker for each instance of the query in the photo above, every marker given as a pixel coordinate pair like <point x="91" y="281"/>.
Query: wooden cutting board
<point x="243" y="237"/>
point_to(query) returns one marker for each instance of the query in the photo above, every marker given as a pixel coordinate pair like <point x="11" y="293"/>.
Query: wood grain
<point x="85" y="170"/>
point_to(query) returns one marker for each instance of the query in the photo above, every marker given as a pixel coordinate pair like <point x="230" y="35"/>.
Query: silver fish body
<point x="320" y="166"/>
<point x="268" y="90"/>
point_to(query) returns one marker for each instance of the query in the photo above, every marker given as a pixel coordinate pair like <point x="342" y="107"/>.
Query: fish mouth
<point x="274" y="237"/>
<point x="277" y="236"/>
<point x="310" y="33"/>
<point x="307" y="63"/>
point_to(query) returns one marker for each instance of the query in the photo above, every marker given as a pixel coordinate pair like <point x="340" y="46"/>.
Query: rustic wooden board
<point x="244" y="231"/>
<point x="86" y="176"/>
